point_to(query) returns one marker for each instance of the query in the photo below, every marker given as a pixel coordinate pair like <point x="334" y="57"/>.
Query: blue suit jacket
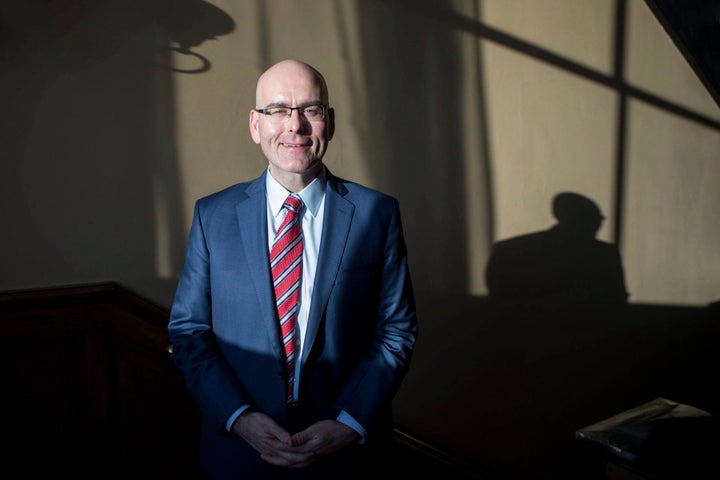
<point x="224" y="329"/>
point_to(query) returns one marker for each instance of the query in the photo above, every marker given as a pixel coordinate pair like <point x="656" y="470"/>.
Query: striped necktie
<point x="286" y="266"/>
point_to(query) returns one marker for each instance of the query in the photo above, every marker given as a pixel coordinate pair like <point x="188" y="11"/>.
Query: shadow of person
<point x="564" y="265"/>
<point x="557" y="299"/>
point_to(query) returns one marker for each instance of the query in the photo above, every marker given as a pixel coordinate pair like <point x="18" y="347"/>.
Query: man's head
<point x="294" y="145"/>
<point x="577" y="213"/>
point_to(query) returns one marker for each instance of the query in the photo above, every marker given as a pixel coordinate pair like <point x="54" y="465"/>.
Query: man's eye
<point x="277" y="112"/>
<point x="312" y="112"/>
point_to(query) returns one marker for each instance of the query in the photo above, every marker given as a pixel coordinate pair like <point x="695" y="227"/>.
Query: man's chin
<point x="300" y="167"/>
<point x="303" y="166"/>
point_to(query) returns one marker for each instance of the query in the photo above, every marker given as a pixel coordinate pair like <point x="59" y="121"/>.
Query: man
<point x="353" y="333"/>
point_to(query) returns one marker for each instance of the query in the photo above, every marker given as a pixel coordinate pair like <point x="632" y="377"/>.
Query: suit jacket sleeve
<point x="373" y="298"/>
<point x="210" y="379"/>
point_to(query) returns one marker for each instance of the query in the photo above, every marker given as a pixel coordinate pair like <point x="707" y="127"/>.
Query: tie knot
<point x="293" y="202"/>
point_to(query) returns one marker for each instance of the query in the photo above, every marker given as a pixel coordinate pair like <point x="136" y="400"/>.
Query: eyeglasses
<point x="313" y="113"/>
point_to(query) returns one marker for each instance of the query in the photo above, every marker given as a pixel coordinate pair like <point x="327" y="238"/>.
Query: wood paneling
<point x="89" y="389"/>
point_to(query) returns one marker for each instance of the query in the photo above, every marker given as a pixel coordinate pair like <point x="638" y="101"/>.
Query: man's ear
<point x="254" y="128"/>
<point x="330" y="124"/>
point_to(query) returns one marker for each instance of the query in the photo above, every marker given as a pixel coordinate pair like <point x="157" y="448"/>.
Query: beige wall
<point x="473" y="113"/>
<point x="478" y="111"/>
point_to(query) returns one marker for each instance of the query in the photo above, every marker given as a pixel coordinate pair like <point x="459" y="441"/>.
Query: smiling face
<point x="295" y="147"/>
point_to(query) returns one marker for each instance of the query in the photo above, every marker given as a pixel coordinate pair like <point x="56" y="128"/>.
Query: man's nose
<point x="296" y="121"/>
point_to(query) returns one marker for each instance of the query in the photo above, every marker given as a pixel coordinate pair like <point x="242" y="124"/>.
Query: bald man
<point x="321" y="409"/>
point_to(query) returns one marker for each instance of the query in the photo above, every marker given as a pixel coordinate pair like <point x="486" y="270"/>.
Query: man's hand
<point x="324" y="437"/>
<point x="274" y="443"/>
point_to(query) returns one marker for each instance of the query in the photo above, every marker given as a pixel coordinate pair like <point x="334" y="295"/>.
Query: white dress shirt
<point x="313" y="197"/>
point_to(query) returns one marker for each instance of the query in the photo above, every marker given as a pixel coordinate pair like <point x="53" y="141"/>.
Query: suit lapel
<point x="336" y="227"/>
<point x="252" y="219"/>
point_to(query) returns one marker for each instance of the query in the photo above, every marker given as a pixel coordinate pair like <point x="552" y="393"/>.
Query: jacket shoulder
<point x="356" y="192"/>
<point x="232" y="194"/>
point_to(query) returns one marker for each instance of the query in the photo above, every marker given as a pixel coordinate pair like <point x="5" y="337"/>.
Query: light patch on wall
<point x="163" y="247"/>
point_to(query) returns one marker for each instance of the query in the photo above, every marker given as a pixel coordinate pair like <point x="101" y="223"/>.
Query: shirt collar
<point x="312" y="195"/>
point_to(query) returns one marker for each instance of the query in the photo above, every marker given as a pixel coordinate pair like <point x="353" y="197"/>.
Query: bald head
<point x="289" y="72"/>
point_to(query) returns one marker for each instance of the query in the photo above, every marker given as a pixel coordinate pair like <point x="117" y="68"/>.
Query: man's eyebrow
<point x="285" y="105"/>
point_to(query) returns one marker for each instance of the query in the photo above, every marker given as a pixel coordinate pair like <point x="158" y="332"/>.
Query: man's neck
<point x="295" y="182"/>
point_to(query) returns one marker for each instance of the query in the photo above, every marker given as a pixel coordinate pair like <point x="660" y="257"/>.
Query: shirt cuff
<point x="233" y="417"/>
<point x="345" y="418"/>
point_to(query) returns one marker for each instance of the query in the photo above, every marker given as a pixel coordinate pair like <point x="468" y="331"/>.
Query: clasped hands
<point x="278" y="447"/>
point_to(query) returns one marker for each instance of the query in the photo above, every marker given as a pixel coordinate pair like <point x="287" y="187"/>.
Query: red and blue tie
<point x="286" y="266"/>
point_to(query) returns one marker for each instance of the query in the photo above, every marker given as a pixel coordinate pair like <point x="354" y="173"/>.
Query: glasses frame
<point x="301" y="111"/>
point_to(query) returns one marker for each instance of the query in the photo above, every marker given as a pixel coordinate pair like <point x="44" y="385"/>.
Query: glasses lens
<point x="278" y="114"/>
<point x="314" y="113"/>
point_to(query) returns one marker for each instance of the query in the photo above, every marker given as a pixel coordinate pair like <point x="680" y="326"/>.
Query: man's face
<point x="295" y="145"/>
